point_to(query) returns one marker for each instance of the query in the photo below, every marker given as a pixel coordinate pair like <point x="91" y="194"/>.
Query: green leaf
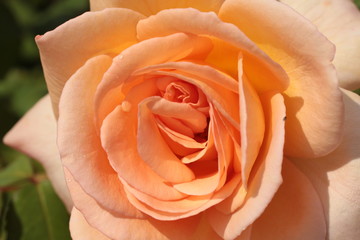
<point x="18" y="170"/>
<point x="42" y="214"/>
<point x="357" y="2"/>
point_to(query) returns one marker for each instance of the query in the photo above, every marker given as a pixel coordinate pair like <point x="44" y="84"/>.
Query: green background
<point x="29" y="207"/>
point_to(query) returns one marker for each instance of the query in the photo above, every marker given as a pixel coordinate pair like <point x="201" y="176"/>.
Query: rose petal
<point x="151" y="7"/>
<point x="31" y="134"/>
<point x="264" y="180"/>
<point x="338" y="20"/>
<point x="119" y="77"/>
<point x="267" y="75"/>
<point x="125" y="159"/>
<point x="306" y="55"/>
<point x="79" y="143"/>
<point x="252" y="126"/>
<point x="116" y="227"/>
<point x="150" y="144"/>
<point x="294" y="213"/>
<point x="66" y="48"/>
<point x="80" y="228"/>
<point x="336" y="177"/>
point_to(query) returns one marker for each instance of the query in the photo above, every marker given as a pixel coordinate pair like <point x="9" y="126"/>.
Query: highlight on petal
<point x="339" y="21"/>
<point x="35" y="136"/>
<point x="294" y="213"/>
<point x="306" y="55"/>
<point x="151" y="7"/>
<point x="70" y="45"/>
<point x="84" y="158"/>
<point x="336" y="176"/>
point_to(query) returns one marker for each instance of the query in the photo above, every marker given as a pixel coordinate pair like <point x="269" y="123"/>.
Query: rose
<point x="131" y="160"/>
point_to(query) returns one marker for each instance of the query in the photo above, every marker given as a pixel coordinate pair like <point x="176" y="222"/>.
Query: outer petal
<point x="336" y="177"/>
<point x="81" y="230"/>
<point x="151" y="7"/>
<point x="79" y="144"/>
<point x="119" y="228"/>
<point x="35" y="135"/>
<point x="67" y="48"/>
<point x="339" y="20"/>
<point x="294" y="213"/>
<point x="306" y="55"/>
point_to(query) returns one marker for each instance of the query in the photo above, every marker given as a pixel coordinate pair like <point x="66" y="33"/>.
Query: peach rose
<point x="202" y="119"/>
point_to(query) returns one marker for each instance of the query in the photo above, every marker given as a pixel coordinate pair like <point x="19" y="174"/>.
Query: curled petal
<point x="69" y="46"/>
<point x="265" y="178"/>
<point x="306" y="56"/>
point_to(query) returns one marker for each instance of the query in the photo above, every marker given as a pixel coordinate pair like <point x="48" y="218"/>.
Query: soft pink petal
<point x="294" y="213"/>
<point x="339" y="21"/>
<point x="35" y="135"/>
<point x="265" y="178"/>
<point x="79" y="143"/>
<point x="306" y="55"/>
<point x="336" y="177"/>
<point x="70" y="45"/>
<point x="151" y="7"/>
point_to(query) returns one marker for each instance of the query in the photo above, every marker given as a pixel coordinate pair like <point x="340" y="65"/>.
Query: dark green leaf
<point x="18" y="170"/>
<point x="42" y="214"/>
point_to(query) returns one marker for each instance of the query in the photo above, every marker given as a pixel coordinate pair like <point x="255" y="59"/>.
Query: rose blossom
<point x="201" y="120"/>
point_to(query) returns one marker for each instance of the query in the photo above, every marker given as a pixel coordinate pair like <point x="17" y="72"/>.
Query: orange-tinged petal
<point x="119" y="77"/>
<point x="306" y="55"/>
<point x="265" y="178"/>
<point x="125" y="159"/>
<point x="70" y="45"/>
<point x="294" y="213"/>
<point x="85" y="158"/>
<point x="35" y="135"/>
<point x="252" y="126"/>
<point x="336" y="177"/>
<point x="339" y="21"/>
<point x="111" y="225"/>
<point x="271" y="77"/>
<point x="151" y="146"/>
<point x="150" y="7"/>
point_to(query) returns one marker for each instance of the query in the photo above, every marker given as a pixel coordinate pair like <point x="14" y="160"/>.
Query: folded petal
<point x="339" y="21"/>
<point x="294" y="213"/>
<point x="67" y="48"/>
<point x="35" y="135"/>
<point x="265" y="178"/>
<point x="336" y="177"/>
<point x="79" y="143"/>
<point x="151" y="7"/>
<point x="306" y="55"/>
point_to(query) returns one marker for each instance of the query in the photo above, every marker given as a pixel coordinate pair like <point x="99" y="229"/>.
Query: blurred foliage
<point x="29" y="207"/>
